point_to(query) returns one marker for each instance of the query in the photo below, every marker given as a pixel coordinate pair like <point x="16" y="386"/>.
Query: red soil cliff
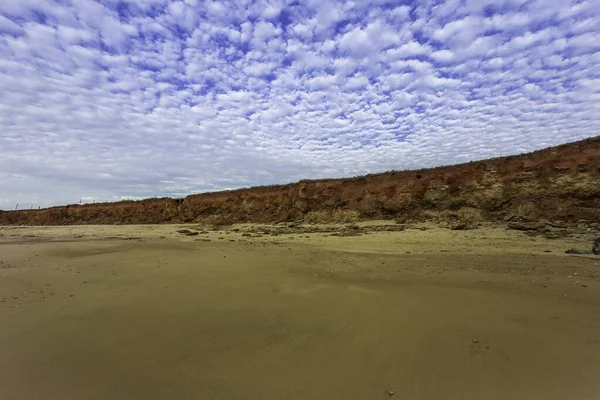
<point x="557" y="183"/>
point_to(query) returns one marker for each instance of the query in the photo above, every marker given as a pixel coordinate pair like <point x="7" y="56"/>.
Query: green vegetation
<point x="341" y="203"/>
<point x="427" y="204"/>
<point x="457" y="205"/>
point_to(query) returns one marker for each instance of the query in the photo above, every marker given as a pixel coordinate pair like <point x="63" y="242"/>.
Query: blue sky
<point x="128" y="99"/>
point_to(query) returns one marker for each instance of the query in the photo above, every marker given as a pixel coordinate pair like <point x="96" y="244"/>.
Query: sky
<point x="106" y="100"/>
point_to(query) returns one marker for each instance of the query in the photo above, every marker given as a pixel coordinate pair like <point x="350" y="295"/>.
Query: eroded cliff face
<point x="560" y="183"/>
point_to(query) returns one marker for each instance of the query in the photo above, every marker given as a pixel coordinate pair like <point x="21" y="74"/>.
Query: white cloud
<point x="357" y="82"/>
<point x="443" y="56"/>
<point x="462" y="31"/>
<point x="303" y="31"/>
<point x="271" y="12"/>
<point x="8" y="26"/>
<point x="97" y="103"/>
<point x="264" y="31"/>
<point x="400" y="13"/>
<point x="321" y="82"/>
<point x="397" y="80"/>
<point x="409" y="50"/>
<point x="356" y="42"/>
<point x="259" y="69"/>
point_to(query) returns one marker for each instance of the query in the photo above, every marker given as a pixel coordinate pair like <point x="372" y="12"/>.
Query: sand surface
<point x="143" y="312"/>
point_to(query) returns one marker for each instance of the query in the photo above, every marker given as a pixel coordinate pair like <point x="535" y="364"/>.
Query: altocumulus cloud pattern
<point x="110" y="99"/>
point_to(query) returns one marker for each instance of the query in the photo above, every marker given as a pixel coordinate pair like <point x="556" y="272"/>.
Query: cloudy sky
<point x="111" y="99"/>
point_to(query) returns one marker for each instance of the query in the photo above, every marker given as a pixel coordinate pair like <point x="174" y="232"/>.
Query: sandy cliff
<point x="559" y="183"/>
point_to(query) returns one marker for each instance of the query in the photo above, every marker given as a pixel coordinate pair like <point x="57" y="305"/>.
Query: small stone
<point x="475" y="341"/>
<point x="390" y="393"/>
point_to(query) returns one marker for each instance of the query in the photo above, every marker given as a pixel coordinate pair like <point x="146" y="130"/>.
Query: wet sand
<point x="142" y="312"/>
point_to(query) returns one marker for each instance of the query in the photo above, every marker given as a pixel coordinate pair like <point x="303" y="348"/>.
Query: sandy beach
<point x="145" y="312"/>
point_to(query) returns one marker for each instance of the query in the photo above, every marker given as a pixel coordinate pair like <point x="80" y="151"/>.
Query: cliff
<point x="559" y="183"/>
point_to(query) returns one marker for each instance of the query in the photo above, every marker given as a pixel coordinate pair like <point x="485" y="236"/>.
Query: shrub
<point x="457" y="205"/>
<point x="427" y="204"/>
